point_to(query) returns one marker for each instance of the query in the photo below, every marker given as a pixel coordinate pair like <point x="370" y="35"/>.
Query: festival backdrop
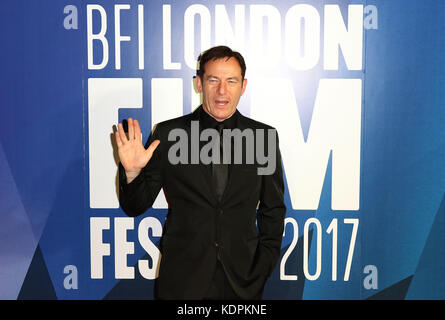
<point x="354" y="88"/>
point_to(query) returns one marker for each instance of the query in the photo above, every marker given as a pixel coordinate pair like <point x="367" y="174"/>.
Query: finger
<point x="137" y="131"/>
<point x="118" y="139"/>
<point x="153" y="147"/>
<point x="122" y="134"/>
<point x="130" y="129"/>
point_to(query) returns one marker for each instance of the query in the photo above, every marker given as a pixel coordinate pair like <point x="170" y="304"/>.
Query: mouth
<point x="221" y="103"/>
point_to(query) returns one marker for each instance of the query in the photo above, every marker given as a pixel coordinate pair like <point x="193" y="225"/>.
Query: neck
<point x="217" y="119"/>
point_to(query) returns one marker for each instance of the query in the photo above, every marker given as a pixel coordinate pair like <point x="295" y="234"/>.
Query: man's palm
<point x="132" y="153"/>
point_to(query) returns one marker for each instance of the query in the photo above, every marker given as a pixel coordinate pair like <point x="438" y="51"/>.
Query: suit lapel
<point x="206" y="172"/>
<point x="235" y="169"/>
<point x="204" y="169"/>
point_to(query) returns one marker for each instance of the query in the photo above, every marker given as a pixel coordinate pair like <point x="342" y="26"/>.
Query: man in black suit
<point x="223" y="232"/>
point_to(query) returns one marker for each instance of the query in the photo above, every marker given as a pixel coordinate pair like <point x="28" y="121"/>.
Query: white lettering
<point x="118" y="38"/>
<point x="224" y="33"/>
<point x="189" y="33"/>
<point x="156" y="228"/>
<point x="336" y="36"/>
<point x="99" y="36"/>
<point x="264" y="37"/>
<point x="371" y="21"/>
<point x="141" y="36"/>
<point x="265" y="53"/>
<point x="98" y="248"/>
<point x="371" y="280"/>
<point x="335" y="126"/>
<point x="122" y="247"/>
<point x="71" y="280"/>
<point x="166" y="103"/>
<point x="302" y="50"/>
<point x="105" y="97"/>
<point x="166" y="40"/>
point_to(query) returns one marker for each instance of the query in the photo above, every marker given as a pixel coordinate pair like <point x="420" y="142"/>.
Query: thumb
<point x="152" y="148"/>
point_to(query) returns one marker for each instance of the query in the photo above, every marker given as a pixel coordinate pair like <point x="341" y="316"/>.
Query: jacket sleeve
<point x="138" y="196"/>
<point x="270" y="216"/>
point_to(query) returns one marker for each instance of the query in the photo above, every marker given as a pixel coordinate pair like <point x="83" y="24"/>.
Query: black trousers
<point x="220" y="288"/>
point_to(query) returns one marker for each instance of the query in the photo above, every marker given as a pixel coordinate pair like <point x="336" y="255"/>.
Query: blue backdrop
<point x="389" y="246"/>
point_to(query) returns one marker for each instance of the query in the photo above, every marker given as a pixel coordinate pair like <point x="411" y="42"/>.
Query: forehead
<point x="228" y="67"/>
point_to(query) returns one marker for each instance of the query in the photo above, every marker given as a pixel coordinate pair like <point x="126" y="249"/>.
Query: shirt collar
<point x="208" y="121"/>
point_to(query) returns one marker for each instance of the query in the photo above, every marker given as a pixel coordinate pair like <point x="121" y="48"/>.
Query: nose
<point x="222" y="88"/>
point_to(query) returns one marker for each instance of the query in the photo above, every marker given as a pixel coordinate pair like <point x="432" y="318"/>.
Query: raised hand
<point x="132" y="153"/>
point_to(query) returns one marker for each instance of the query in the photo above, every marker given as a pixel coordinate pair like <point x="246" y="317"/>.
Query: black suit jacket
<point x="244" y="230"/>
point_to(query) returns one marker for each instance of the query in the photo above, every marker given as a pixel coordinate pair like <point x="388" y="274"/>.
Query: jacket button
<point x="221" y="211"/>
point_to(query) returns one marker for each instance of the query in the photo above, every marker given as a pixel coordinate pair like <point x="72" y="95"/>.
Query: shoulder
<point x="175" y="123"/>
<point x="247" y="122"/>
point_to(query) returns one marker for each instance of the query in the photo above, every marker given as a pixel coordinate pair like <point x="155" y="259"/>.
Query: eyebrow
<point x="229" y="78"/>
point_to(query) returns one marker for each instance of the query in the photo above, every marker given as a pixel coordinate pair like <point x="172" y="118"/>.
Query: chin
<point x="222" y="114"/>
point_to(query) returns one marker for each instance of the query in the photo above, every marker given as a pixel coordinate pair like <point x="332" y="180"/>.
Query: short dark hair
<point x="216" y="53"/>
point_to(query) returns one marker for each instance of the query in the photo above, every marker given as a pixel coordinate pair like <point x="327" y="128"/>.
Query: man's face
<point x="221" y="87"/>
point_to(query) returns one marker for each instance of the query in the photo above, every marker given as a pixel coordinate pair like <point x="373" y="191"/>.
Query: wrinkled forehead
<point x="226" y="66"/>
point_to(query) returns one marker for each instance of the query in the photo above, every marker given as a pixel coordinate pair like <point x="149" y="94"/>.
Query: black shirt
<point x="208" y="122"/>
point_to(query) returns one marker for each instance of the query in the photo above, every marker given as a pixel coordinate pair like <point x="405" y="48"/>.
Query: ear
<point x="244" y="86"/>
<point x="198" y="84"/>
